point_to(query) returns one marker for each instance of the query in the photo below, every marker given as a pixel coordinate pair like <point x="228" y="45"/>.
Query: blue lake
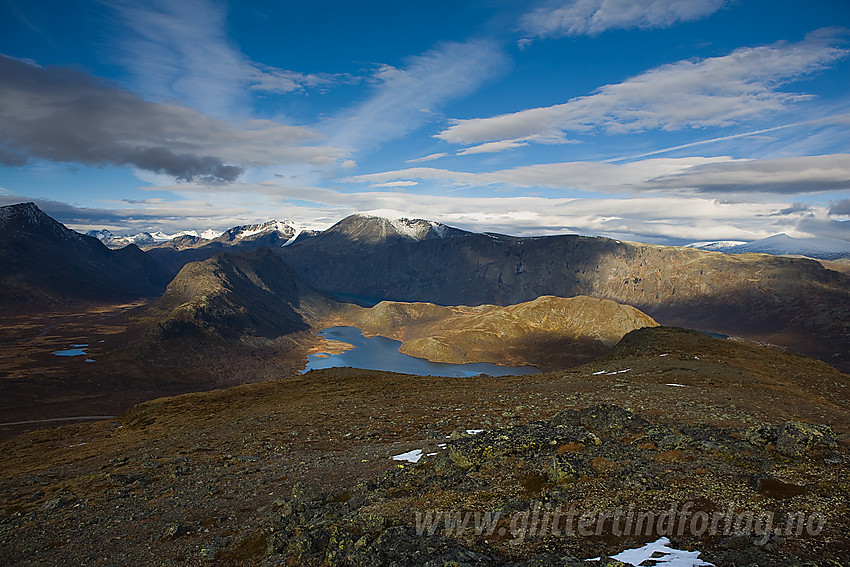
<point x="381" y="353"/>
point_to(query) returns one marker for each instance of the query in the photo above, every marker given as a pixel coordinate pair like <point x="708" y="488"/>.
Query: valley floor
<point x="215" y="475"/>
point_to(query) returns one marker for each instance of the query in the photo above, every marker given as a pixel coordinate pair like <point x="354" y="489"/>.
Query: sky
<point x="662" y="121"/>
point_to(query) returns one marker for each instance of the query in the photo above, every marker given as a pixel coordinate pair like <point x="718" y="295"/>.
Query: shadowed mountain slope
<point x="233" y="296"/>
<point x="46" y="264"/>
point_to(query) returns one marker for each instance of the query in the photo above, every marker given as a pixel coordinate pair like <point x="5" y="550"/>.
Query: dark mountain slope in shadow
<point x="44" y="264"/>
<point x="796" y="303"/>
<point x="234" y="295"/>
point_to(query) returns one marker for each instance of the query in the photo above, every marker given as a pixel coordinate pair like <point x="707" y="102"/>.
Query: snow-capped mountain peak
<point x="406" y="227"/>
<point x="284" y="229"/>
<point x="782" y="244"/>
<point x="160" y="236"/>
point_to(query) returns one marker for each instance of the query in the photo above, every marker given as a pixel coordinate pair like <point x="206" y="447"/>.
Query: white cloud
<point x="587" y="176"/>
<point x="719" y="91"/>
<point x="396" y="184"/>
<point x="808" y="174"/>
<point x="668" y="218"/>
<point x="429" y="157"/>
<point x="492" y="147"/>
<point x="592" y="17"/>
<point x="405" y="98"/>
<point x="180" y="51"/>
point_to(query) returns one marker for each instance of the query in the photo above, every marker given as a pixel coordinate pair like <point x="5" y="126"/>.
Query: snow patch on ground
<point x="411" y="456"/>
<point x="606" y="373"/>
<point x="660" y="553"/>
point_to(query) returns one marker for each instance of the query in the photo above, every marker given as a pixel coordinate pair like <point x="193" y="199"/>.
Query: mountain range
<point x="306" y="468"/>
<point x="792" y="302"/>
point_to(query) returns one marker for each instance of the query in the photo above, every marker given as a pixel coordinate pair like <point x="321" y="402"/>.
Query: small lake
<point x="381" y="353"/>
<point x="70" y="352"/>
<point x="75" y="350"/>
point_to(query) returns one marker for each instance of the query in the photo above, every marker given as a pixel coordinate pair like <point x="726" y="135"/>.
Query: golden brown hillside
<point x="548" y="332"/>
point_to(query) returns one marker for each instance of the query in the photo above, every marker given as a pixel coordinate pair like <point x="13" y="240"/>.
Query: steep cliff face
<point x="548" y="332"/>
<point x="790" y="301"/>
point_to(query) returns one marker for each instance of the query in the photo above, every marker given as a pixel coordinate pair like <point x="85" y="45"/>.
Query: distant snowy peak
<point x="112" y="241"/>
<point x="716" y="245"/>
<point x="101" y="235"/>
<point x="160" y="236"/>
<point x="284" y="230"/>
<point x="147" y="239"/>
<point x="782" y="244"/>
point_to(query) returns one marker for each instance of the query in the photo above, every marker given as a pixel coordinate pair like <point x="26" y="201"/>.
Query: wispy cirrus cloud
<point x="592" y="17"/>
<point x="429" y="157"/>
<point x="66" y="115"/>
<point x="181" y="51"/>
<point x="280" y="81"/>
<point x="403" y="98"/>
<point x="693" y="93"/>
<point x="713" y="176"/>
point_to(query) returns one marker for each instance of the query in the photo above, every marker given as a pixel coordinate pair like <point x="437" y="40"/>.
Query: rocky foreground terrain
<point x="298" y="471"/>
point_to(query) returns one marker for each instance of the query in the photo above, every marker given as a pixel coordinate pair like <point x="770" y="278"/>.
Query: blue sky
<point x="665" y="121"/>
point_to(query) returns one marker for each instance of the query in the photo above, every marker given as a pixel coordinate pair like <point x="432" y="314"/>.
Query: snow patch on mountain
<point x="716" y="245"/>
<point x="160" y="236"/>
<point x="415" y="229"/>
<point x="282" y="227"/>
